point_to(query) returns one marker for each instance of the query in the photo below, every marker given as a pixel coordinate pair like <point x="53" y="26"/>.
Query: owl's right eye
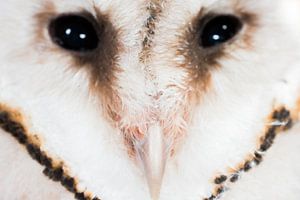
<point x="74" y="32"/>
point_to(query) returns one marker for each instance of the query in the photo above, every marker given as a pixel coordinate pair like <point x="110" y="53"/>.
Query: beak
<point x="152" y="154"/>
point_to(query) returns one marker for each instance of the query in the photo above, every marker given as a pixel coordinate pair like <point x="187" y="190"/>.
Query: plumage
<point x="150" y="110"/>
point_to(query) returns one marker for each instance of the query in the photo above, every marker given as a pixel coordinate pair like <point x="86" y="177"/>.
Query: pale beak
<point x="152" y="154"/>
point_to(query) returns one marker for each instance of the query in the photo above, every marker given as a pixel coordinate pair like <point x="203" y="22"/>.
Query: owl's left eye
<point x="74" y="32"/>
<point x="220" y="29"/>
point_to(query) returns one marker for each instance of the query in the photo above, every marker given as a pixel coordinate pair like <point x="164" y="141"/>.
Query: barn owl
<point x="149" y="100"/>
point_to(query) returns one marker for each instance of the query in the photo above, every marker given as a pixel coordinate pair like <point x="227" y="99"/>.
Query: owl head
<point x="152" y="99"/>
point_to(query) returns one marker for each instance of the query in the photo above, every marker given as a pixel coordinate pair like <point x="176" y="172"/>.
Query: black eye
<point x="74" y="32"/>
<point x="220" y="29"/>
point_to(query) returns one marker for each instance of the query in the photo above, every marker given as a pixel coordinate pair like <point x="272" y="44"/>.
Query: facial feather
<point x="149" y="114"/>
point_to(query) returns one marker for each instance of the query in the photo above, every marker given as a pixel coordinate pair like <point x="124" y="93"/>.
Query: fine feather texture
<point x="171" y="117"/>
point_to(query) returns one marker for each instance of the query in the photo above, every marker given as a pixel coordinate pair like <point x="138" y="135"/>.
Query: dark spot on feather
<point x="234" y="178"/>
<point x="155" y="9"/>
<point x="69" y="183"/>
<point x="80" y="196"/>
<point x="247" y="166"/>
<point x="221" y="179"/>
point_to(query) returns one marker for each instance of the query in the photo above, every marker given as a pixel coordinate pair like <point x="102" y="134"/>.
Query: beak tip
<point x="155" y="191"/>
<point x="153" y="154"/>
<point x="154" y="176"/>
<point x="154" y="183"/>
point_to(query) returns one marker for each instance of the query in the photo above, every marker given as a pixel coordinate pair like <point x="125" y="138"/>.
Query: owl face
<point x="147" y="99"/>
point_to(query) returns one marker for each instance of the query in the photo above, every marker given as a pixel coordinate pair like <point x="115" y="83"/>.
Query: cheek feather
<point x="102" y="63"/>
<point x="42" y="18"/>
<point x="281" y="120"/>
<point x="12" y="122"/>
<point x="201" y="62"/>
